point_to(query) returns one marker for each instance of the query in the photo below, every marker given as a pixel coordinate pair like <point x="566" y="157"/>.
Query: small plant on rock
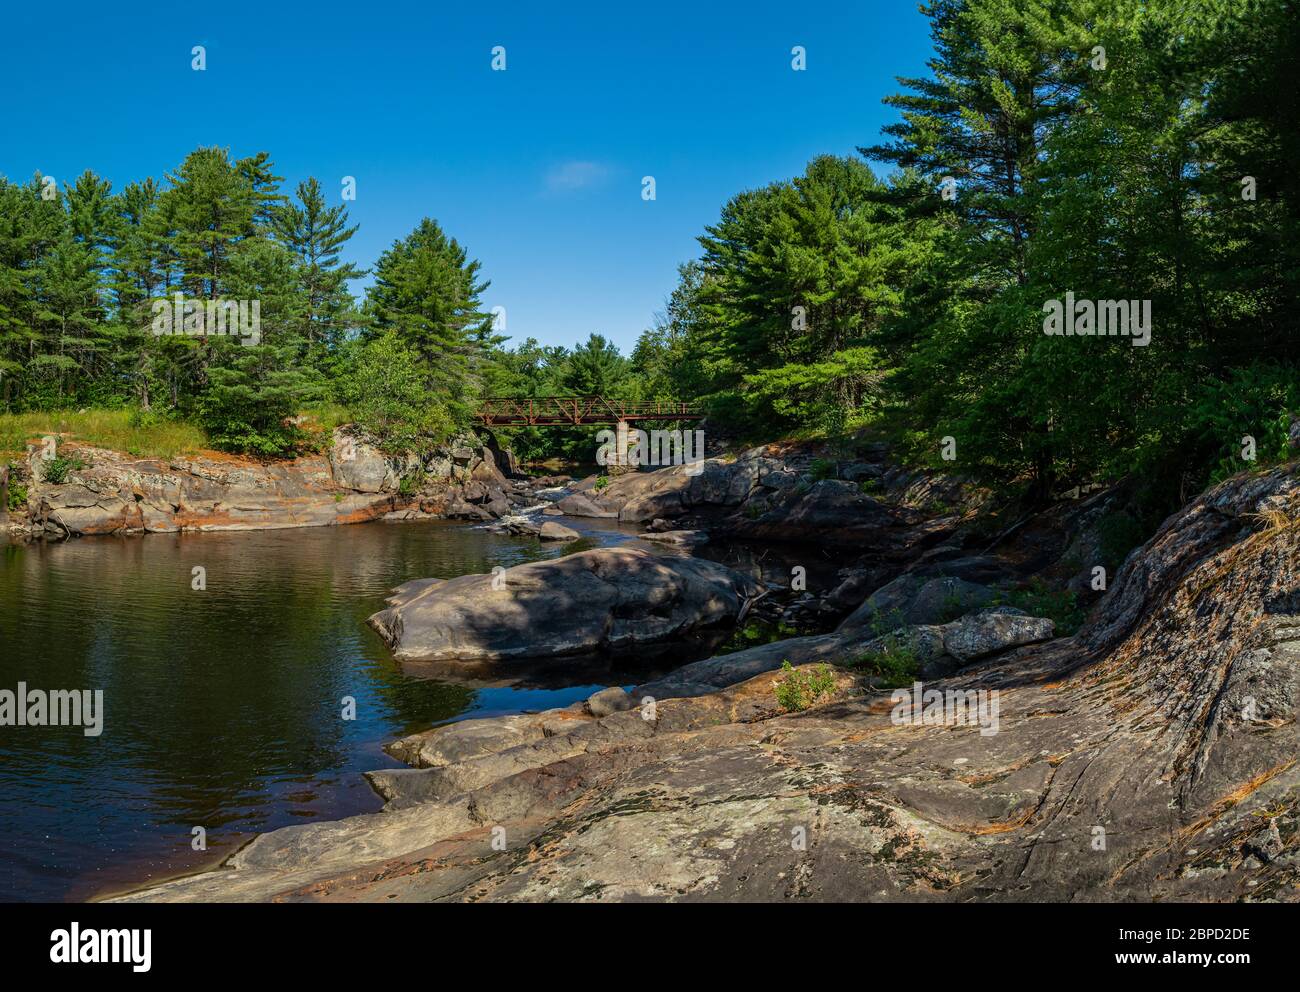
<point x="799" y="690"/>
<point x="412" y="483"/>
<point x="56" y="470"/>
<point x="17" y="497"/>
<point x="895" y="661"/>
<point x="823" y="468"/>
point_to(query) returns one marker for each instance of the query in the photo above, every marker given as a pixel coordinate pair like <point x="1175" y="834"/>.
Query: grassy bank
<point x="144" y="437"/>
<point x="113" y="429"/>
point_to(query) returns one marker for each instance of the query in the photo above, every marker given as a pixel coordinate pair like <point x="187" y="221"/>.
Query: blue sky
<point x="537" y="169"/>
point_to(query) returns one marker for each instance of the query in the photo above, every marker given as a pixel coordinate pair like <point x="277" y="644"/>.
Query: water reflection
<point x="223" y="706"/>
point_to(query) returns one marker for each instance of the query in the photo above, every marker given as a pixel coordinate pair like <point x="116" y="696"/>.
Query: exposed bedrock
<point x="1150" y="757"/>
<point x="766" y="493"/>
<point x="110" y="492"/>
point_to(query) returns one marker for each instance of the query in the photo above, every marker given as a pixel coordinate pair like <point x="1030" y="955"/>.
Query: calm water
<point x="222" y="707"/>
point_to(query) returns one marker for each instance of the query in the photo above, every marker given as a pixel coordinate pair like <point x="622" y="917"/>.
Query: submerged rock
<point x="682" y="538"/>
<point x="581" y="505"/>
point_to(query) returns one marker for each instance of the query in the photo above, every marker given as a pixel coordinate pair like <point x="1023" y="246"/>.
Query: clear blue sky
<point x="537" y="170"/>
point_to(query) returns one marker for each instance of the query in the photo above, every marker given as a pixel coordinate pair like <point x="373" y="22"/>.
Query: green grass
<point x="144" y="437"/>
<point x="326" y="416"/>
<point x="823" y="468"/>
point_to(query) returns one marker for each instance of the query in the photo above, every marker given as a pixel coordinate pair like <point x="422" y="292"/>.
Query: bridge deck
<point x="576" y="411"/>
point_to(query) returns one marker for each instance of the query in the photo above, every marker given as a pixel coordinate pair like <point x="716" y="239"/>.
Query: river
<point x="223" y="707"/>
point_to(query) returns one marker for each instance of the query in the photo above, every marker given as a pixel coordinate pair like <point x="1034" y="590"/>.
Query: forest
<point x="1135" y="150"/>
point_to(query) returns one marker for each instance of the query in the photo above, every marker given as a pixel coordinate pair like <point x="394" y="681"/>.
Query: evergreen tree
<point x="595" y="368"/>
<point x="316" y="234"/>
<point x="427" y="291"/>
<point x="212" y="205"/>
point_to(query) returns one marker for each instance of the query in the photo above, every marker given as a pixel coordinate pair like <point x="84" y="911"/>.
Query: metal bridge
<point x="576" y="411"/>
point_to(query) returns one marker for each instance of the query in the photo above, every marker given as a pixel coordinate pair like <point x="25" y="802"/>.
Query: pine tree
<point x="316" y="234"/>
<point x="259" y="172"/>
<point x="595" y="368"/>
<point x="1006" y="75"/>
<point x="427" y="291"/>
<point x="212" y="205"/>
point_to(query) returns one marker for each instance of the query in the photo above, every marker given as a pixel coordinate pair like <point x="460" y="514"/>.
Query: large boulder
<point x="606" y="599"/>
<point x="992" y="631"/>
<point x="839" y="512"/>
<point x="584" y="505"/>
<point x="358" y="464"/>
<point x="914" y="599"/>
<point x="551" y="531"/>
<point x="713" y="483"/>
<point x="940" y="649"/>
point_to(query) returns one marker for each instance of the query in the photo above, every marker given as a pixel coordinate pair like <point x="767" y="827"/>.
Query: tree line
<point x="84" y="272"/>
<point x="1138" y="150"/>
<point x="1135" y="150"/>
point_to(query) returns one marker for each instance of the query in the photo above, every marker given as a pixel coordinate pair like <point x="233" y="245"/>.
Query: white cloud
<point x="569" y="176"/>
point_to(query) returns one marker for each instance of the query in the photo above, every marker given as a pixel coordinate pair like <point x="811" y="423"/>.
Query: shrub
<point x="799" y="690"/>
<point x="602" y="484"/>
<point x="17" y="496"/>
<point x="251" y="398"/>
<point x="55" y="471"/>
<point x="1059" y="605"/>
<point x="896" y="661"/>
<point x="388" y="395"/>
<point x="410" y="484"/>
<point x="141" y="419"/>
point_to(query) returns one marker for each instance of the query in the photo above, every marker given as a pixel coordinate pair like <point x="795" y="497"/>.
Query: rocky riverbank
<point x="75" y="490"/>
<point x="1149" y="756"/>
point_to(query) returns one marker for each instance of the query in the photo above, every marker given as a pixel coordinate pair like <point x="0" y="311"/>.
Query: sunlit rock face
<point x="607" y="599"/>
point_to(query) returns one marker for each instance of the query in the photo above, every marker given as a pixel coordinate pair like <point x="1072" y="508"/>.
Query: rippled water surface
<point x="222" y="707"/>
